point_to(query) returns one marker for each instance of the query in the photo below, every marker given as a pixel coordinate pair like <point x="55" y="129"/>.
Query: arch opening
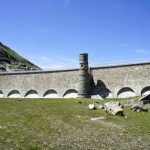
<point x="1" y="94"/>
<point x="101" y="89"/>
<point x="50" y="94"/>
<point x="145" y="91"/>
<point x="105" y="93"/>
<point x="13" y="94"/>
<point x="31" y="94"/>
<point x="125" y="92"/>
<point x="71" y="93"/>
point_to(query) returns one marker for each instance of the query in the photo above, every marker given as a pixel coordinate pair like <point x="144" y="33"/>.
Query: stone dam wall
<point x="39" y="83"/>
<point x="123" y="80"/>
<point x="109" y="81"/>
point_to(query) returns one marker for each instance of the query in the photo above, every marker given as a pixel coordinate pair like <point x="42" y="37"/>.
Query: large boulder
<point x="113" y="108"/>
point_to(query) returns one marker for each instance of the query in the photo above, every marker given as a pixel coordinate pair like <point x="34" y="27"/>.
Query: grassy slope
<point x="16" y="56"/>
<point x="66" y="124"/>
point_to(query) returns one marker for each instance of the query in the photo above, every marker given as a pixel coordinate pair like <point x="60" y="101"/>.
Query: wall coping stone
<point x="37" y="72"/>
<point x="120" y="65"/>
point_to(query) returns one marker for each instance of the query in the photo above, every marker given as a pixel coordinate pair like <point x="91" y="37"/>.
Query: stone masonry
<point x="110" y="81"/>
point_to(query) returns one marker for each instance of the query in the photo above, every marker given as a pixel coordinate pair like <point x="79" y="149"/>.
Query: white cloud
<point x="142" y="51"/>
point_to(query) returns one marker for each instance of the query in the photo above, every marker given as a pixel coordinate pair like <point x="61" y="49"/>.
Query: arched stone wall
<point x="101" y="89"/>
<point x="105" y="93"/>
<point x="40" y="81"/>
<point x="13" y="94"/>
<point x="71" y="93"/>
<point x="125" y="92"/>
<point x="32" y="94"/>
<point x="115" y="77"/>
<point x="50" y="94"/>
<point x="134" y="76"/>
<point x="1" y="94"/>
<point x="145" y="91"/>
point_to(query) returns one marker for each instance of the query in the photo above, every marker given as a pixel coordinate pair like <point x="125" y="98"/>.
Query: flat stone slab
<point x="98" y="118"/>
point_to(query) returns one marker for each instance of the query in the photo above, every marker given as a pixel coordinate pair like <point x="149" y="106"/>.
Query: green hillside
<point x="11" y="61"/>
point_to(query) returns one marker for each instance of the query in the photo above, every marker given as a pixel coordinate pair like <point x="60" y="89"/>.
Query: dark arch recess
<point x="145" y="89"/>
<point x="1" y="93"/>
<point x="124" y="89"/>
<point x="49" y="92"/>
<point x="69" y="92"/>
<point x="31" y="92"/>
<point x="13" y="92"/>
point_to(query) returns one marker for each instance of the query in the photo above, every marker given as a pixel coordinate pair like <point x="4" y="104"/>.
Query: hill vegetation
<point x="11" y="61"/>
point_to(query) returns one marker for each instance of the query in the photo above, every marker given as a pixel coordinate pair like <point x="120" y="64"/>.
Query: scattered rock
<point x="101" y="107"/>
<point x="97" y="96"/>
<point x="98" y="118"/>
<point x="139" y="108"/>
<point x="95" y="106"/>
<point x="145" y="99"/>
<point x="113" y="108"/>
<point x="2" y="127"/>
<point x="126" y="116"/>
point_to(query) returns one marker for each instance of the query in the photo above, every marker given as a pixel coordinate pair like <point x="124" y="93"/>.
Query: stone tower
<point x="84" y="77"/>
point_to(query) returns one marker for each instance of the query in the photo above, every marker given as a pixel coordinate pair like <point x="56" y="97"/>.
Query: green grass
<point x="45" y="124"/>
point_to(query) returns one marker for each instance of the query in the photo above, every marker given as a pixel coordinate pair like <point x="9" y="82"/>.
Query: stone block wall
<point x="131" y="77"/>
<point x="59" y="81"/>
<point x="111" y="81"/>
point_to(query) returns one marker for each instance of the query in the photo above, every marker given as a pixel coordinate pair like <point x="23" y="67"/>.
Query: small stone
<point x="98" y="118"/>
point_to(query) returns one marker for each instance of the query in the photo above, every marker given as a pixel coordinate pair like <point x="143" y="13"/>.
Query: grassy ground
<point x="45" y="124"/>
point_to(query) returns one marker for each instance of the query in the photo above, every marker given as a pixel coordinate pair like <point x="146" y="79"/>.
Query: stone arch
<point x="50" y="94"/>
<point x="125" y="92"/>
<point x="1" y="94"/>
<point x="31" y="94"/>
<point x="13" y="94"/>
<point x="145" y="91"/>
<point x="105" y="93"/>
<point x="71" y="93"/>
<point x="101" y="89"/>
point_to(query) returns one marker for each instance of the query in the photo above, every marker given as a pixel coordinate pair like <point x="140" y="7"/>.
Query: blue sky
<point x="52" y="33"/>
